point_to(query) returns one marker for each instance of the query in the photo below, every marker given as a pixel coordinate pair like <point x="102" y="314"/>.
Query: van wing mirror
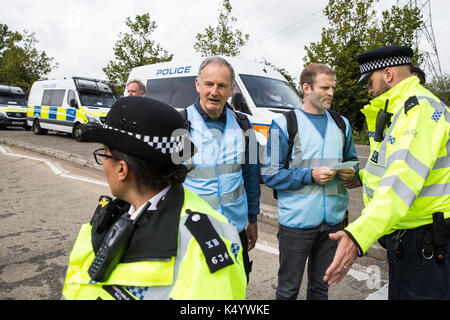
<point x="239" y="103"/>
<point x="73" y="103"/>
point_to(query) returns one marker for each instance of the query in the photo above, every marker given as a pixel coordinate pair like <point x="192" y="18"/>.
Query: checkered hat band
<point x="383" y="63"/>
<point x="166" y="145"/>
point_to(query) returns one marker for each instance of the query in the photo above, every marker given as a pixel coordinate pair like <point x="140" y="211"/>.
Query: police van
<point x="261" y="92"/>
<point x="72" y="105"/>
<point x="13" y="106"/>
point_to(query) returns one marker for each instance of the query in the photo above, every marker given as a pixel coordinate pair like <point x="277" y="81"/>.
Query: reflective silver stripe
<point x="439" y="106"/>
<point x="314" y="162"/>
<point x="369" y="192"/>
<point x="163" y="292"/>
<point x="403" y="154"/>
<point x="270" y="170"/>
<point x="443" y="162"/>
<point x="224" y="230"/>
<point x="412" y="162"/>
<point x="400" y="188"/>
<point x="226" y="198"/>
<point x="213" y="172"/>
<point x="375" y="170"/>
<point x="435" y="190"/>
<point x="315" y="189"/>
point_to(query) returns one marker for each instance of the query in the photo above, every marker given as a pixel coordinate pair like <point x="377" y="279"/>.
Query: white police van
<point x="72" y="105"/>
<point x="13" y="107"/>
<point x="261" y="92"/>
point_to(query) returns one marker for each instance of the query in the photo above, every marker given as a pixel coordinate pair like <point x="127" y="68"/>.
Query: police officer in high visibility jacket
<point x="406" y="182"/>
<point x="156" y="240"/>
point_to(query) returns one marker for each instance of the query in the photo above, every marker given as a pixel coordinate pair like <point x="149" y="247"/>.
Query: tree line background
<point x="354" y="26"/>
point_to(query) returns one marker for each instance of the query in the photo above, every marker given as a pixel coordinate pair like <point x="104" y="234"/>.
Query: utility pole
<point x="427" y="48"/>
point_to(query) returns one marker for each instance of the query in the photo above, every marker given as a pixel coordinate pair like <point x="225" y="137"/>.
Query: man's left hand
<point x="346" y="174"/>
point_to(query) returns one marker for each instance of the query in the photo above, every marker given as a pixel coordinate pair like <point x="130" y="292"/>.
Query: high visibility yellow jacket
<point x="184" y="276"/>
<point x="407" y="175"/>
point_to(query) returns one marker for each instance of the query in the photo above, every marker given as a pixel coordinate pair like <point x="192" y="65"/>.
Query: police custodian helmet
<point x="145" y="128"/>
<point x="383" y="57"/>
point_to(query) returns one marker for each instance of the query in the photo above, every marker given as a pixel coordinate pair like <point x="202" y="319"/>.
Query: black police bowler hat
<point x="383" y="57"/>
<point x="147" y="129"/>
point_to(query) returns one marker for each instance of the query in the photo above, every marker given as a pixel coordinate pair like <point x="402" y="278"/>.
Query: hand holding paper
<point x="345" y="165"/>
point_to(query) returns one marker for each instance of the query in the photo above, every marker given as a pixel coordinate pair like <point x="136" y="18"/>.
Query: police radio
<point x="113" y="247"/>
<point x="107" y="211"/>
<point x="383" y="122"/>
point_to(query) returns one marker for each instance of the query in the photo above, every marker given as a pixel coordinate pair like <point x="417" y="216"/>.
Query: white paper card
<point x="345" y="165"/>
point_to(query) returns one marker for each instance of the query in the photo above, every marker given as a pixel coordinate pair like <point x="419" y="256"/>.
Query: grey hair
<point x="219" y="60"/>
<point x="141" y="86"/>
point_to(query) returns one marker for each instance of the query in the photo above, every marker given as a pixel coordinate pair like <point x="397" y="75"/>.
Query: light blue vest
<point x="313" y="204"/>
<point x="217" y="174"/>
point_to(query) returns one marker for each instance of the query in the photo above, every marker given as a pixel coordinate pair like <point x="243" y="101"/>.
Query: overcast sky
<point x="80" y="34"/>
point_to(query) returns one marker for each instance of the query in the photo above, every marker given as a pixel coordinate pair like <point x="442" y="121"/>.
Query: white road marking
<point x="357" y="271"/>
<point x="54" y="166"/>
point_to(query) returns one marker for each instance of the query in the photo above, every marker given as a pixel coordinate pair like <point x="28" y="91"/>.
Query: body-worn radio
<point x="115" y="242"/>
<point x="383" y="122"/>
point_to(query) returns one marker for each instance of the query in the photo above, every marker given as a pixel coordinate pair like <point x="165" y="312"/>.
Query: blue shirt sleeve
<point x="251" y="175"/>
<point x="273" y="173"/>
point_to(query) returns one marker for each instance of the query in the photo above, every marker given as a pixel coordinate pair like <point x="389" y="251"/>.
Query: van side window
<point x="53" y="98"/>
<point x="70" y="96"/>
<point x="176" y="92"/>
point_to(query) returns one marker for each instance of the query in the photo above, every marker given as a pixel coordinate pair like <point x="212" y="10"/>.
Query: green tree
<point x="440" y="86"/>
<point x="355" y="28"/>
<point x="134" y="49"/>
<point x="221" y="40"/>
<point x="20" y="62"/>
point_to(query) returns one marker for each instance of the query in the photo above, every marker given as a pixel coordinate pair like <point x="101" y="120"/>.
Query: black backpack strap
<point x="242" y="120"/>
<point x="340" y="123"/>
<point x="187" y="123"/>
<point x="292" y="128"/>
<point x="243" y="123"/>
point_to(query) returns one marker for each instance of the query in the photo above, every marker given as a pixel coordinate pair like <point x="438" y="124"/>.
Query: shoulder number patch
<point x="411" y="103"/>
<point x="213" y="247"/>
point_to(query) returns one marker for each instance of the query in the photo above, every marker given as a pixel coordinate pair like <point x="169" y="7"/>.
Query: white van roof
<point x="189" y="68"/>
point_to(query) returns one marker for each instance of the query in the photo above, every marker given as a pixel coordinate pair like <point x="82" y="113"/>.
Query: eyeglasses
<point x="99" y="156"/>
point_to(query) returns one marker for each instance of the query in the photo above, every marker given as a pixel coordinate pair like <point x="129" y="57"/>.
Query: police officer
<point x="156" y="240"/>
<point x="406" y="187"/>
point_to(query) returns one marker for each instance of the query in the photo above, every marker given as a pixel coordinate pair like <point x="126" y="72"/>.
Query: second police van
<point x="72" y="105"/>
<point x="261" y="92"/>
<point x="13" y="106"/>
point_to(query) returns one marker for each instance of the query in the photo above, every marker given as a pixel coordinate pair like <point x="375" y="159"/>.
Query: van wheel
<point x="77" y="132"/>
<point x="37" y="128"/>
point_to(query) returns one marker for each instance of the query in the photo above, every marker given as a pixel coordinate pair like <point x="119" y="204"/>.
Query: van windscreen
<point x="97" y="100"/>
<point x="176" y="92"/>
<point x="14" y="100"/>
<point x="271" y="93"/>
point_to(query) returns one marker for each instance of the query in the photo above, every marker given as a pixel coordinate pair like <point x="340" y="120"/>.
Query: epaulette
<point x="212" y="246"/>
<point x="410" y="103"/>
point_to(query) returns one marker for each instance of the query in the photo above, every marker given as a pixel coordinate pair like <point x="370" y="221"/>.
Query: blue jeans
<point x="411" y="275"/>
<point x="295" y="246"/>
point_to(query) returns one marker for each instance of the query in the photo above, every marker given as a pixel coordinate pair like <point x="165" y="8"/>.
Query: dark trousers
<point x="245" y="256"/>
<point x="297" y="245"/>
<point x="411" y="275"/>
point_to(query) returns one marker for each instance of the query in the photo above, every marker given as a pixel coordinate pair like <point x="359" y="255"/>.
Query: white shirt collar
<point x="133" y="213"/>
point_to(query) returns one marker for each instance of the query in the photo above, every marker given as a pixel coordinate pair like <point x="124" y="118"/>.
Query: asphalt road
<point x="50" y="186"/>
